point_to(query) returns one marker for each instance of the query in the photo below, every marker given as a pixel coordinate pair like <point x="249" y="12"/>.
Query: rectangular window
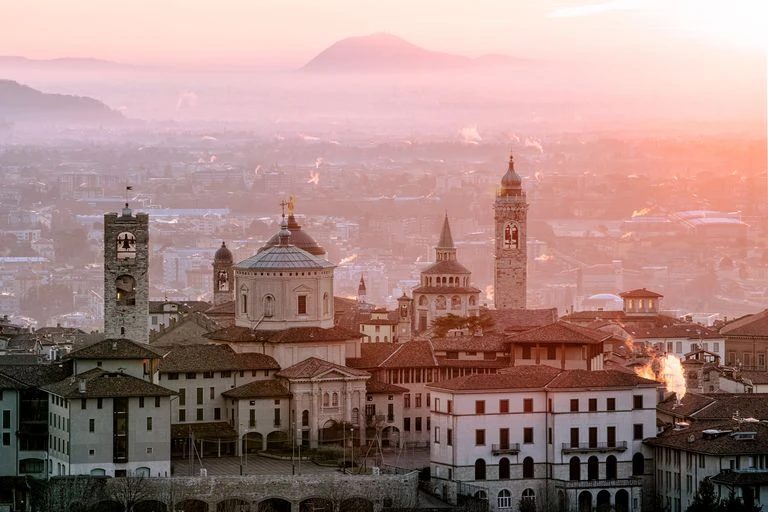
<point x="91" y="425"/>
<point x="574" y="437"/>
<point x="437" y="435"/>
<point x="504" y="438"/>
<point x="6" y="438"/>
<point x="407" y="424"/>
<point x="611" y="435"/>
<point x="157" y="401"/>
<point x="638" y="431"/>
<point x="277" y="417"/>
<point x="390" y="412"/>
<point x="407" y="400"/>
<point x="141" y="402"/>
<point x="83" y="403"/>
<point x="480" y="437"/>
<point x="637" y="401"/>
<point x="212" y="393"/>
<point x="418" y="424"/>
<point x="301" y="304"/>
<point x="207" y="375"/>
<point x="503" y="406"/>
<point x="450" y="406"/>
<point x="429" y="423"/>
<point x="574" y="405"/>
<point x="549" y="435"/>
<point x="183" y="396"/>
<point x="226" y="374"/>
<point x="149" y="422"/>
<point x="592" y="437"/>
<point x="6" y="418"/>
<point x="479" y="406"/>
<point x="190" y="375"/>
<point x="217" y="413"/>
<point x="526" y="349"/>
<point x="182" y="415"/>
<point x="429" y="401"/>
<point x="527" y="404"/>
<point x="99" y="403"/>
<point x="173" y="376"/>
<point x="449" y="437"/>
<point x="528" y="435"/>
<point x="593" y="405"/>
<point x="199" y="396"/>
<point x="418" y="399"/>
<point x="610" y="404"/>
<point x="437" y="405"/>
<point x="200" y="414"/>
<point x="244" y="303"/>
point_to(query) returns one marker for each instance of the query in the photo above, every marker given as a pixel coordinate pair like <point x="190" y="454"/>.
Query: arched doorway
<point x="390" y="437"/>
<point x="277" y="439"/>
<point x="233" y="505"/>
<point x="315" y="504"/>
<point x="561" y="503"/>
<point x="638" y="464"/>
<point x="504" y="468"/>
<point x="574" y="469"/>
<point x="622" y="501"/>
<point x="480" y="469"/>
<point x="585" y="501"/>
<point x="603" y="501"/>
<point x="253" y="442"/>
<point x="191" y="506"/>
<point x="528" y="467"/>
<point x="274" y="505"/>
<point x="593" y="468"/>
<point x="356" y="504"/>
<point x="150" y="506"/>
<point x="611" y="468"/>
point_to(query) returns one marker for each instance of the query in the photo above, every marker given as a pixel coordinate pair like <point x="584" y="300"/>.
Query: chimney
<point x="81" y="386"/>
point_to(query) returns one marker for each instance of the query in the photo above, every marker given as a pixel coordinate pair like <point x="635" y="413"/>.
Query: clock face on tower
<point x="510" y="236"/>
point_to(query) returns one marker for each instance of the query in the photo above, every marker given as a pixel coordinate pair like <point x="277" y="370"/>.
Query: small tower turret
<point x="223" y="276"/>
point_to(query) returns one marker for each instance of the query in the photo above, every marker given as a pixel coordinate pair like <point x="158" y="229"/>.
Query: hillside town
<point x="443" y="396"/>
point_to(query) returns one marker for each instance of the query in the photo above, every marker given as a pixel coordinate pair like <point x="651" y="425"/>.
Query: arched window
<point x="126" y="246"/>
<point x="504" y="469"/>
<point x="386" y="339"/>
<point x="244" y="300"/>
<point x="574" y="469"/>
<point x="480" y="469"/>
<point x="269" y="306"/>
<point x="377" y="339"/>
<point x="325" y="303"/>
<point x="529" y="495"/>
<point x="305" y="418"/>
<point x="222" y="281"/>
<point x="335" y="399"/>
<point x="511" y="238"/>
<point x="326" y="399"/>
<point x="141" y="472"/>
<point x="450" y="281"/>
<point x="504" y="499"/>
<point x="455" y="302"/>
<point x="355" y="416"/>
<point x="423" y="300"/>
<point x="593" y="468"/>
<point x="610" y="468"/>
<point x="440" y="302"/>
<point x="126" y="290"/>
<point x="472" y="300"/>
<point x="638" y="464"/>
<point x="528" y="467"/>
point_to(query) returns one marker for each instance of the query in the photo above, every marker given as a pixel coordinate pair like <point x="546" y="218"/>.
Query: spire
<point x="361" y="286"/>
<point x="284" y="235"/>
<point x="511" y="183"/>
<point x="446" y="240"/>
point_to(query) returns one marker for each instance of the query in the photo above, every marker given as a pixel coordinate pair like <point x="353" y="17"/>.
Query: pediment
<point x="332" y="375"/>
<point x="302" y="288"/>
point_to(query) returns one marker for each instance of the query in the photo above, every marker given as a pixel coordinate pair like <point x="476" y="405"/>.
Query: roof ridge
<point x="390" y="356"/>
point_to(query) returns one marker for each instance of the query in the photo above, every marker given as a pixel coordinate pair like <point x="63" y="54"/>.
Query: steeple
<point x="361" y="292"/>
<point x="511" y="183"/>
<point x="445" y="250"/>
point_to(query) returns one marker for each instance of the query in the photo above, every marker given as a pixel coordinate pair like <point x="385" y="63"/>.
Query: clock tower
<point x="511" y="261"/>
<point x="126" y="275"/>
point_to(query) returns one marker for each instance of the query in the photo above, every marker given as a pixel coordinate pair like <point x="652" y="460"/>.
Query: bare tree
<point x="130" y="490"/>
<point x="73" y="493"/>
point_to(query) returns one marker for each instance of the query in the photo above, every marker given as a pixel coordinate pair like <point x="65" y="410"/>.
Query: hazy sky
<point x="286" y="33"/>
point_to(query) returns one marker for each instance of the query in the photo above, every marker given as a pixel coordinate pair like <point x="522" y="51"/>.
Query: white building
<point x="566" y="439"/>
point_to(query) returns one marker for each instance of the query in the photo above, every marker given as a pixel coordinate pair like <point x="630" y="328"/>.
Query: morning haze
<point x="283" y="256"/>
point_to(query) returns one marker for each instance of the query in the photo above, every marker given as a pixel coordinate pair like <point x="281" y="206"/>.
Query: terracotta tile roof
<point x="511" y="320"/>
<point x="43" y="331"/>
<point x="292" y="335"/>
<point x="585" y="379"/>
<point x="209" y="430"/>
<point x="485" y="343"/>
<point x="184" y="307"/>
<point x="726" y="406"/>
<point x="213" y="358"/>
<point x="714" y="438"/>
<point x="259" y="389"/>
<point x="446" y="267"/>
<point x="314" y="367"/>
<point x="444" y="362"/>
<point x="37" y="375"/>
<point x="677" y="330"/>
<point x="640" y="293"/>
<point x="518" y="377"/>
<point x="413" y="354"/>
<point x="751" y="325"/>
<point x="116" y="348"/>
<point x="734" y="478"/>
<point x="378" y="387"/>
<point x="562" y="332"/>
<point x="756" y="377"/>
<point x="586" y="316"/>
<point x="102" y="384"/>
<point x="377" y="321"/>
<point x="372" y="355"/>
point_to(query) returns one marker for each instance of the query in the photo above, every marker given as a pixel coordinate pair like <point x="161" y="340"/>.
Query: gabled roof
<point x="259" y="389"/>
<point x="378" y="387"/>
<point x="640" y="293"/>
<point x="103" y="384"/>
<point x="562" y="332"/>
<point x="8" y="382"/>
<point x="518" y="377"/>
<point x="508" y="320"/>
<point x="413" y="354"/>
<point x="750" y="325"/>
<point x="676" y="330"/>
<point x="585" y="379"/>
<point x="292" y="335"/>
<point x="225" y="308"/>
<point x="372" y="355"/>
<point x="690" y="403"/>
<point x="220" y="357"/>
<point x="36" y="375"/>
<point x="726" y="406"/>
<point x="116" y="348"/>
<point x="314" y="367"/>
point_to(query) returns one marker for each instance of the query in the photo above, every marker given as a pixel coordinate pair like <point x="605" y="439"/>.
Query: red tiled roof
<point x="485" y="343"/>
<point x="518" y="377"/>
<point x="116" y="348"/>
<point x="677" y="330"/>
<point x="225" y="308"/>
<point x="376" y="386"/>
<point x="521" y="319"/>
<point x="258" y="389"/>
<point x="714" y="438"/>
<point x="444" y="362"/>
<point x="315" y="367"/>
<point x="100" y="383"/>
<point x="413" y="354"/>
<point x="293" y="335"/>
<point x="562" y="332"/>
<point x="202" y="358"/>
<point x="446" y="267"/>
<point x="751" y="325"/>
<point x="640" y="293"/>
<point x="372" y="355"/>
<point x="585" y="379"/>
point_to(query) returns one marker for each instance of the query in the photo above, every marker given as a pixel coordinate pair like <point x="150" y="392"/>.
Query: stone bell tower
<point x="223" y="276"/>
<point x="126" y="275"/>
<point x="511" y="260"/>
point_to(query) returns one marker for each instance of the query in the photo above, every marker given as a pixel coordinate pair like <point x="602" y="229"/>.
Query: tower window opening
<point x="126" y="246"/>
<point x="126" y="290"/>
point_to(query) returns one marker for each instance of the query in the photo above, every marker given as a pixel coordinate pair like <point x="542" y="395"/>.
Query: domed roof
<point x="281" y="257"/>
<point x="299" y="238"/>
<point x="511" y="180"/>
<point x="223" y="255"/>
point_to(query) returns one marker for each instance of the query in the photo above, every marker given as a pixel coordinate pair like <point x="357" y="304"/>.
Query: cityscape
<point x="491" y="263"/>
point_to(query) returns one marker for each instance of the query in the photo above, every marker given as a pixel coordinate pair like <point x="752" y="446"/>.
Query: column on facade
<point x="314" y="423"/>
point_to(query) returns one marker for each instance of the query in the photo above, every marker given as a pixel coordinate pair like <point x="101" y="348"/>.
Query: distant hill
<point x="386" y="53"/>
<point x="64" y="62"/>
<point x="22" y="103"/>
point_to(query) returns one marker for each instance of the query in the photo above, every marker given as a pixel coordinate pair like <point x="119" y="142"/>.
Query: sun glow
<point x="741" y="22"/>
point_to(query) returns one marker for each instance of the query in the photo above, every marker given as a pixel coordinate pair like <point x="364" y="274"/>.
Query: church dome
<point x="223" y="255"/>
<point x="511" y="180"/>
<point x="299" y="238"/>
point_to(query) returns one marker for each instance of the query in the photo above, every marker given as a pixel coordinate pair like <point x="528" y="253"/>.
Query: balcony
<point x="619" y="446"/>
<point x="505" y="449"/>
<point x="601" y="484"/>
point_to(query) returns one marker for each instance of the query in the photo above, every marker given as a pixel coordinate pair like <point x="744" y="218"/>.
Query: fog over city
<point x="571" y="170"/>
